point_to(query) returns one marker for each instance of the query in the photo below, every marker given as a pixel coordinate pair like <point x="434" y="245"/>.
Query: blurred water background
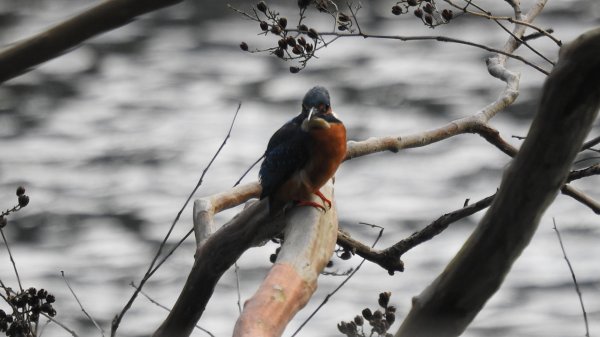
<point x="110" y="138"/>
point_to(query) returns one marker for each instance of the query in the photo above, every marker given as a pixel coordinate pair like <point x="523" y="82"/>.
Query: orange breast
<point x="328" y="149"/>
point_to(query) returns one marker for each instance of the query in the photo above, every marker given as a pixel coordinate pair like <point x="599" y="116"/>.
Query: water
<point x="110" y="138"/>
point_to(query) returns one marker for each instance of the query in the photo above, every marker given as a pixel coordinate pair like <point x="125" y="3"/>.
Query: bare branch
<point x="21" y="57"/>
<point x="562" y="247"/>
<point x="569" y="105"/>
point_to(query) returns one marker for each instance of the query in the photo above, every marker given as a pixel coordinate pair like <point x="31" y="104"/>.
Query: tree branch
<point x="22" y="56"/>
<point x="569" y="105"/>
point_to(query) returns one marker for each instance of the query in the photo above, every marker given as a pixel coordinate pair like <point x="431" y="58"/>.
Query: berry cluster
<point x="293" y="44"/>
<point x="27" y="307"/>
<point x="380" y="320"/>
<point x="426" y="10"/>
<point x="22" y="201"/>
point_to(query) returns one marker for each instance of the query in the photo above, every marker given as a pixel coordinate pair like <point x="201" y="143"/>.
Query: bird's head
<point x="316" y="106"/>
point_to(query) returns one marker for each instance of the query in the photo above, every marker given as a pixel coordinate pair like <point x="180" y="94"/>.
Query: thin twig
<point x="153" y="301"/>
<point x="151" y="267"/>
<point x="562" y="247"/>
<point x="248" y="170"/>
<point x="12" y="260"/>
<point x="326" y="299"/>
<point x="237" y="285"/>
<point x="62" y="273"/>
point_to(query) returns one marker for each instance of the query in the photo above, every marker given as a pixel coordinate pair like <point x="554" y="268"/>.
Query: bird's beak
<point x="312" y="123"/>
<point x="310" y="113"/>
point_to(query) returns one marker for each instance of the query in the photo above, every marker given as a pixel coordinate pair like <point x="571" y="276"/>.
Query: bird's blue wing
<point x="287" y="153"/>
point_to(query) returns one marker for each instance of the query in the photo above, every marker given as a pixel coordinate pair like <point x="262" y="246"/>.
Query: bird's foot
<point x="325" y="200"/>
<point x="310" y="203"/>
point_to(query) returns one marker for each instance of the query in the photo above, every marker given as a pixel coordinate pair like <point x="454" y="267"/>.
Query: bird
<point x="303" y="154"/>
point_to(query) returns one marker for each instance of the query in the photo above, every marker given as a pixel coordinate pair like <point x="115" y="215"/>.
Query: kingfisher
<point x="303" y="154"/>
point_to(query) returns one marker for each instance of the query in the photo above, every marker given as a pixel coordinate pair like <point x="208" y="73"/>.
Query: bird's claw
<point x="311" y="204"/>
<point x="324" y="198"/>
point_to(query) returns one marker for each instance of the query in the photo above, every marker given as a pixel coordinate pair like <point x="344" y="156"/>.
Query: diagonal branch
<point x="22" y="56"/>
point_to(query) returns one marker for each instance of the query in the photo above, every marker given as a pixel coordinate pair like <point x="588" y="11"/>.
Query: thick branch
<point x="308" y="246"/>
<point x="568" y="107"/>
<point x="23" y="56"/>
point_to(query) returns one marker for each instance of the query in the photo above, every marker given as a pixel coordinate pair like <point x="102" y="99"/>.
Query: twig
<point x="237" y="285"/>
<point x="166" y="308"/>
<point x="326" y="299"/>
<point x="151" y="269"/>
<point x="439" y="39"/>
<point x="389" y="258"/>
<point x="12" y="260"/>
<point x="248" y="170"/>
<point x="562" y="247"/>
<point x="62" y="273"/>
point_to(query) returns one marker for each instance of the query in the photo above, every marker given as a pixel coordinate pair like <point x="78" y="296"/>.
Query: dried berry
<point x="429" y="19"/>
<point x="294" y="70"/>
<point x="262" y="6"/>
<point x="418" y="13"/>
<point x="396" y="10"/>
<point x="23" y="200"/>
<point x="301" y="41"/>
<point x="276" y="30"/>
<point x="428" y="8"/>
<point x="264" y="26"/>
<point x="309" y="47"/>
<point x="303" y="28"/>
<point x="447" y="14"/>
<point x="244" y="46"/>
<point x="367" y="314"/>
<point x="303" y="3"/>
<point x="412" y="2"/>
<point x="50" y="298"/>
<point x="298" y="50"/>
<point x="20" y="190"/>
<point x="312" y="33"/>
<point x="282" y="44"/>
<point x="377" y="314"/>
<point x="282" y="22"/>
<point x="290" y="41"/>
<point x="343" y="17"/>
<point x="384" y="299"/>
<point x="390" y="318"/>
<point x="359" y="320"/>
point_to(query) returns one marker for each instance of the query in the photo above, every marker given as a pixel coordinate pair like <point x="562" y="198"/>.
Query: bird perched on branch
<point x="303" y="154"/>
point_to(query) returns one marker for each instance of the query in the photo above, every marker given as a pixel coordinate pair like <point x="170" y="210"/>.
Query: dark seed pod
<point x="262" y="6"/>
<point x="303" y="28"/>
<point x="390" y="309"/>
<point x="50" y="298"/>
<point x="384" y="299"/>
<point x="396" y="10"/>
<point x="301" y="41"/>
<point x="342" y="28"/>
<point x="282" y="22"/>
<point x="278" y="52"/>
<point x="429" y="19"/>
<point x="342" y="327"/>
<point x="390" y="318"/>
<point x="377" y="314"/>
<point x="20" y="190"/>
<point x="428" y="8"/>
<point x="272" y="258"/>
<point x="23" y="200"/>
<point x="418" y="13"/>
<point x="3" y="221"/>
<point x="343" y="18"/>
<point x="358" y="320"/>
<point x="264" y="26"/>
<point x="298" y="50"/>
<point x="244" y="46"/>
<point x="282" y="44"/>
<point x="312" y="33"/>
<point x="290" y="41"/>
<point x="412" y="2"/>
<point x="447" y="14"/>
<point x="276" y="30"/>
<point x="303" y="3"/>
<point x="367" y="314"/>
<point x="309" y="47"/>
<point x="294" y="70"/>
